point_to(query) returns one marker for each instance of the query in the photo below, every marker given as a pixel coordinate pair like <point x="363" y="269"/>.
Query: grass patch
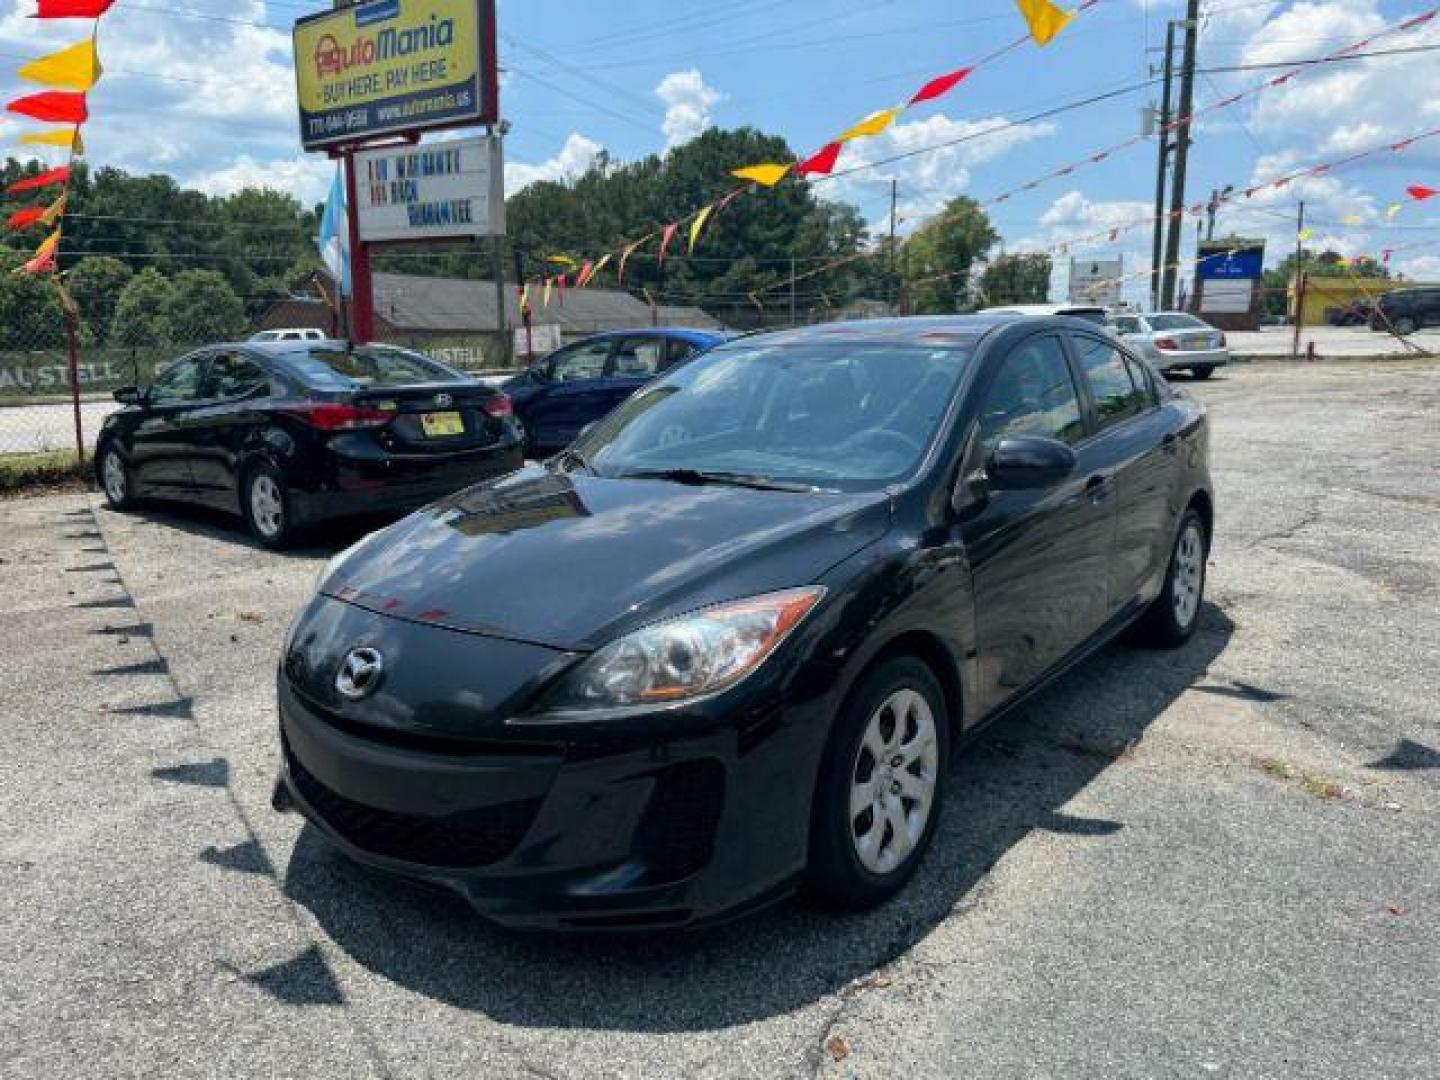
<point x="1316" y="787"/>
<point x="43" y="471"/>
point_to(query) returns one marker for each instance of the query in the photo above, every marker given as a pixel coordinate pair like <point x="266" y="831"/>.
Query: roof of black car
<point x="912" y="329"/>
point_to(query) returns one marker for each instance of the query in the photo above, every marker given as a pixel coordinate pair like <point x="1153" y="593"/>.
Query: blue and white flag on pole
<point x="334" y="237"/>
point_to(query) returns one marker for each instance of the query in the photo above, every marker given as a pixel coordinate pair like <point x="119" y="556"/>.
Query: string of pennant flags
<point x="1043" y="20"/>
<point x="69" y="75"/>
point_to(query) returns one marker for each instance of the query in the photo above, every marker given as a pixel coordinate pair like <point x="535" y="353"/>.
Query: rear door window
<point x="232" y="376"/>
<point x="678" y="350"/>
<point x="1113" y="389"/>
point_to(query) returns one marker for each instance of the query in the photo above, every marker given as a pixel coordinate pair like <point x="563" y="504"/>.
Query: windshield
<point x="330" y="368"/>
<point x="1177" y="322"/>
<point x="842" y="415"/>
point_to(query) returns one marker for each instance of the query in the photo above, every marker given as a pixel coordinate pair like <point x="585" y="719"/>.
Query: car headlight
<point x="684" y="658"/>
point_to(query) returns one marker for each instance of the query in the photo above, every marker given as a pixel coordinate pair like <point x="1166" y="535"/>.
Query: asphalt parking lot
<point x="1215" y="862"/>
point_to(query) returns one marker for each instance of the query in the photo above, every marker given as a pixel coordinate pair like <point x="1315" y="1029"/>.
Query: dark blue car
<point x="583" y="381"/>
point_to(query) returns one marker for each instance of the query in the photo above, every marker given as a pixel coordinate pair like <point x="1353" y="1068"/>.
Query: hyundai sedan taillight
<point x="498" y="406"/>
<point x="328" y="416"/>
<point x="1167" y="344"/>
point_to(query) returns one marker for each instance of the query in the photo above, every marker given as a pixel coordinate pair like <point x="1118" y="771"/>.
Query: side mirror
<point x="129" y="395"/>
<point x="1026" y="462"/>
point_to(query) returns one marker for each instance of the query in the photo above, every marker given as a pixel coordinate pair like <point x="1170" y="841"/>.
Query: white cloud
<point x="688" y="101"/>
<point x="574" y="158"/>
<point x="926" y="181"/>
<point x="306" y="177"/>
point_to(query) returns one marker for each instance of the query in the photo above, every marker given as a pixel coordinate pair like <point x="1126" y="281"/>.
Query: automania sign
<point x="394" y="66"/>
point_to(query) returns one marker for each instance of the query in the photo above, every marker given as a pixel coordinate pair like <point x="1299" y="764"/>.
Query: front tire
<point x="1202" y="372"/>
<point x="265" y="501"/>
<point x="1171" y="620"/>
<point x="116" y="479"/>
<point x="881" y="787"/>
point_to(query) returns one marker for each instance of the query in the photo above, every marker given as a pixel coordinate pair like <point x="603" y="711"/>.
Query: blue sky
<point x="202" y="89"/>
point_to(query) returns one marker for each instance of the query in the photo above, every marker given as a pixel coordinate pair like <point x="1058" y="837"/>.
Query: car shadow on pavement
<point x="1016" y="778"/>
<point x="324" y="538"/>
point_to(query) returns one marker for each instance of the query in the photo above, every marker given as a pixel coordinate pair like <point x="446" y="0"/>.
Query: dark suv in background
<point x="1407" y="310"/>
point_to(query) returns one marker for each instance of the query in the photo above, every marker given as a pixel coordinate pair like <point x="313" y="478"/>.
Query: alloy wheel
<point x="1189" y="576"/>
<point x="113" y="472"/>
<point x="892" y="781"/>
<point x="267" y="505"/>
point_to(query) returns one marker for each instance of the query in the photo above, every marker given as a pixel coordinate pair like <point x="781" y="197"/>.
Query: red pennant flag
<point x="583" y="278"/>
<point x="1100" y="156"/>
<point x="42" y="263"/>
<point x="819" y="163"/>
<point x="52" y="107"/>
<point x="23" y="219"/>
<point x="625" y="257"/>
<point x="44" y="179"/>
<point x="665" y="239"/>
<point x="1385" y="255"/>
<point x="1410" y="24"/>
<point x="560" y="281"/>
<point x="940" y="86"/>
<point x="72" y="9"/>
<point x="1420" y="194"/>
<point x="1114" y="235"/>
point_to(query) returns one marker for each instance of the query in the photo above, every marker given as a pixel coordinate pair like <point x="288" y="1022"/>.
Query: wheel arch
<point x="1204" y="505"/>
<point x="933" y="653"/>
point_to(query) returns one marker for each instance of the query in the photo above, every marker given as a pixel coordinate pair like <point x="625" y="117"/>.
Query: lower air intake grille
<point x="677" y="832"/>
<point x="468" y="839"/>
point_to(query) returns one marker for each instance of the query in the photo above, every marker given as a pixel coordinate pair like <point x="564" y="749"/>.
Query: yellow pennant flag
<point x="698" y="224"/>
<point x="873" y="124"/>
<point x="1351" y="219"/>
<point x="75" y="68"/>
<point x="54" y="213"/>
<point x="1306" y="234"/>
<point x="599" y="265"/>
<point x="764" y="175"/>
<point x="561" y="260"/>
<point x="69" y="138"/>
<point x="48" y="246"/>
<point x="1391" y="210"/>
<point x="1044" y="19"/>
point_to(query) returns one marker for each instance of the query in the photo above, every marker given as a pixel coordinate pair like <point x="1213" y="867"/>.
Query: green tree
<point x="203" y="307"/>
<point x="142" y="314"/>
<point x="1276" y="282"/>
<point x="29" y="313"/>
<point x="1016" y="279"/>
<point x="937" y="257"/>
<point x="96" y="284"/>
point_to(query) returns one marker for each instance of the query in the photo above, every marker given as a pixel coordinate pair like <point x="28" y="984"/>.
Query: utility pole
<point x="1182" y="151"/>
<point x="894" y="201"/>
<point x="1299" y="281"/>
<point x="1157" y="260"/>
<point x="497" y="267"/>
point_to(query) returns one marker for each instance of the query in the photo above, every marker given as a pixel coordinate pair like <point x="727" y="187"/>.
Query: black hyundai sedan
<point x="723" y="646"/>
<point x="289" y="433"/>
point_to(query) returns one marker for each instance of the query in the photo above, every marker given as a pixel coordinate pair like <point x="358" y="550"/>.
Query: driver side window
<point x="180" y="383"/>
<point x="1032" y="394"/>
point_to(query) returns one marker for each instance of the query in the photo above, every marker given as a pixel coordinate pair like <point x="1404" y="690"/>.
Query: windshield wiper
<point x="699" y="477"/>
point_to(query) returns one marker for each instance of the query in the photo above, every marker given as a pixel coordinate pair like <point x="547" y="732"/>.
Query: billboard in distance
<point x="435" y="191"/>
<point x="392" y="66"/>
<point x="1096" y="281"/>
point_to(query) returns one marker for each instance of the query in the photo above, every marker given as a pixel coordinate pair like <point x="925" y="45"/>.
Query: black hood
<point x="571" y="561"/>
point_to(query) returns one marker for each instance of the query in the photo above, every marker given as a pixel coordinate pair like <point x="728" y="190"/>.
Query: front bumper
<point x="606" y="833"/>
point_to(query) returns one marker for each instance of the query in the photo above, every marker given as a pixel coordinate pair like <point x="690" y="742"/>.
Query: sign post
<point x="391" y="69"/>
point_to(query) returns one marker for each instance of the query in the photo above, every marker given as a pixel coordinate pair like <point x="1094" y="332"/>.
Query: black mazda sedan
<point x="723" y="646"/>
<point x="289" y="433"/>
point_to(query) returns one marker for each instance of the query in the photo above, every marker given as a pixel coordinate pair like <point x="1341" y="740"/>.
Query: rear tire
<point x="881" y="787"/>
<point x="116" y="479"/>
<point x="265" y="502"/>
<point x="1171" y="619"/>
<point x="1202" y="372"/>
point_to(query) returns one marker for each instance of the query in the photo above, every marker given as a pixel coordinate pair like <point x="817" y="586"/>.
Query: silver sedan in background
<point x="1174" y="341"/>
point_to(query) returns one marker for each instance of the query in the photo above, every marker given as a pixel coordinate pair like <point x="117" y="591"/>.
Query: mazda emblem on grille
<point x="444" y="400"/>
<point x="359" y="673"/>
